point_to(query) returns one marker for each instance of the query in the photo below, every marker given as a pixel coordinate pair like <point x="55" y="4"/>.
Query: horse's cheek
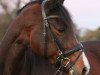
<point x="34" y="41"/>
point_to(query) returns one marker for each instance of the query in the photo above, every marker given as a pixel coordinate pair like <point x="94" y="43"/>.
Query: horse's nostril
<point x="84" y="71"/>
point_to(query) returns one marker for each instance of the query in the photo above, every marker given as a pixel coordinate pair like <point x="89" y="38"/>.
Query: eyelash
<point x="62" y="30"/>
<point x="59" y="26"/>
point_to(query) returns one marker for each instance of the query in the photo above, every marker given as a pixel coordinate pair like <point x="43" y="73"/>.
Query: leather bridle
<point x="63" y="54"/>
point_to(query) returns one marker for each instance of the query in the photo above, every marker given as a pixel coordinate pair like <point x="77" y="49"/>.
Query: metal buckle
<point x="65" y="62"/>
<point x="62" y="66"/>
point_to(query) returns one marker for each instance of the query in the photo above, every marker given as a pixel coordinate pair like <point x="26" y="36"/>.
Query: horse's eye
<point x="62" y="30"/>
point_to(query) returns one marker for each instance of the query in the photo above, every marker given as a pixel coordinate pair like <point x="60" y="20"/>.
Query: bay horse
<point x="92" y="51"/>
<point x="45" y="29"/>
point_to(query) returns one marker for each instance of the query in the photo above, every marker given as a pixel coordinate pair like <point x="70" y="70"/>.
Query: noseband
<point x="62" y="53"/>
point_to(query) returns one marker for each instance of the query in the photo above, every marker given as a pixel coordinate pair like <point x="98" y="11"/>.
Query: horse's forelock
<point x="63" y="13"/>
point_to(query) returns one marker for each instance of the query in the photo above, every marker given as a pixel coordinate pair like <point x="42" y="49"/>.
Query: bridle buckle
<point x="62" y="63"/>
<point x="65" y="62"/>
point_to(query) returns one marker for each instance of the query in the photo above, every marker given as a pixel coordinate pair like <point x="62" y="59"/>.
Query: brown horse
<point x="92" y="51"/>
<point x="46" y="28"/>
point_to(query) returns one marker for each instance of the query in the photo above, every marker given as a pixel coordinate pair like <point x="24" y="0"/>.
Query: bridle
<point x="62" y="53"/>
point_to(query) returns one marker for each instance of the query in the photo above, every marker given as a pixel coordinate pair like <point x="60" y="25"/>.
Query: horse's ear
<point x="56" y="1"/>
<point x="37" y="0"/>
<point x="52" y="3"/>
<point x="61" y="1"/>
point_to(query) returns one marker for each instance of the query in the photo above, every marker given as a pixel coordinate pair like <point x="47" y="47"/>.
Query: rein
<point x="63" y="54"/>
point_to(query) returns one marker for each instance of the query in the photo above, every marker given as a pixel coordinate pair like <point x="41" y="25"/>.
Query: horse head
<point x="48" y="29"/>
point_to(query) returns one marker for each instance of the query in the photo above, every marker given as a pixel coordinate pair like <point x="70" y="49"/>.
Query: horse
<point x="45" y="29"/>
<point x="92" y="51"/>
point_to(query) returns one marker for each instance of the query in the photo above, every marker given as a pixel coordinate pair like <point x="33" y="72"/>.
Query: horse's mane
<point x="65" y="15"/>
<point x="32" y="64"/>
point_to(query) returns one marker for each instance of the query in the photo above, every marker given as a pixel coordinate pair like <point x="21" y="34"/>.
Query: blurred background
<point x="85" y="14"/>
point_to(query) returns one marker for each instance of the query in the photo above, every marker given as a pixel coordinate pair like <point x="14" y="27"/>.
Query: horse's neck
<point x="36" y="65"/>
